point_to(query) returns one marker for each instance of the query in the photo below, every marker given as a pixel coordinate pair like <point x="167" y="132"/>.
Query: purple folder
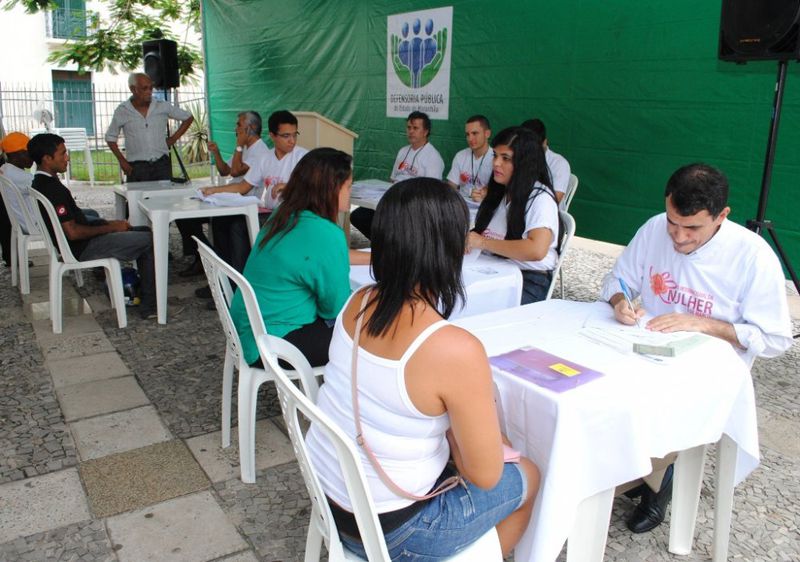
<point x="542" y="368"/>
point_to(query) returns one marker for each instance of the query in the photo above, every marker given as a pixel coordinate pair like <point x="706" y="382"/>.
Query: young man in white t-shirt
<point x="558" y="165"/>
<point x="419" y="158"/>
<point x="472" y="167"/>
<point x="697" y="271"/>
<point x="265" y="179"/>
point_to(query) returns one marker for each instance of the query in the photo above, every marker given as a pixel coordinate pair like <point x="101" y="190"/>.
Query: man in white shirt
<point x="15" y="147"/>
<point x="472" y="167"/>
<point x="143" y="121"/>
<point x="265" y="179"/>
<point x="419" y="158"/>
<point x="697" y="271"/>
<point x="249" y="146"/>
<point x="557" y="164"/>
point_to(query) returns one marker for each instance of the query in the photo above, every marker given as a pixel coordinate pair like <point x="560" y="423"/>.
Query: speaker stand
<point x="759" y="224"/>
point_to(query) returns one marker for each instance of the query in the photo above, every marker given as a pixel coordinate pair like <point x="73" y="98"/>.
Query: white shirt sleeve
<point x="112" y="134"/>
<point x="454" y="176"/>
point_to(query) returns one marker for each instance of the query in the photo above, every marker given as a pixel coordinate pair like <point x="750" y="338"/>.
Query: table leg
<point x="120" y="205"/>
<point x="252" y="223"/>
<point x="135" y="215"/>
<point x="160" y="222"/>
<point x="587" y="539"/>
<point x="686" y="485"/>
<point x="723" y="502"/>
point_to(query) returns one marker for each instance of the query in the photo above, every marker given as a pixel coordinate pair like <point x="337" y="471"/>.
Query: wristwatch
<point x="239" y="149"/>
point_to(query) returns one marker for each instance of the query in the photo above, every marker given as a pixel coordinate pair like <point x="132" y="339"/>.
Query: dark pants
<point x="231" y="240"/>
<point x="189" y="228"/>
<point x="5" y="234"/>
<point x="361" y="218"/>
<point x="535" y="285"/>
<point x="143" y="170"/>
<point x="132" y="245"/>
<point x="313" y="341"/>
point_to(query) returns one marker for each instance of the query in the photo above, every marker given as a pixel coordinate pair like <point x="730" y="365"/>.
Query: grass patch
<point x="106" y="168"/>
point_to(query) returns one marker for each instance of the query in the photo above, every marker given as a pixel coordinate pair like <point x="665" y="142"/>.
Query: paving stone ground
<point x="177" y="369"/>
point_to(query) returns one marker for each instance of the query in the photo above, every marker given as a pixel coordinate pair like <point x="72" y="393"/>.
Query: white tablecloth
<point x="602" y="434"/>
<point x="491" y="284"/>
<point x="367" y="193"/>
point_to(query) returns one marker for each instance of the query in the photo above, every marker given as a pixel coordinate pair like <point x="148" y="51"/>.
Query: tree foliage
<point x="114" y="41"/>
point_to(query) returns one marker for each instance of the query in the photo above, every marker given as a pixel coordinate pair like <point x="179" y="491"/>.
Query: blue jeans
<point x="452" y="521"/>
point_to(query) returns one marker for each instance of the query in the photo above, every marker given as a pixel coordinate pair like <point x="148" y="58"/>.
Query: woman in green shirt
<point x="299" y="266"/>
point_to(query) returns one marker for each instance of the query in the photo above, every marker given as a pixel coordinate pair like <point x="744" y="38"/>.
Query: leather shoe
<point x="194" y="268"/>
<point x="653" y="506"/>
<point x="636" y="492"/>
<point x="203" y="292"/>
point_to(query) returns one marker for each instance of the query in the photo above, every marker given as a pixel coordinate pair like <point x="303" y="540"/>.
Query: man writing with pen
<point x="697" y="271"/>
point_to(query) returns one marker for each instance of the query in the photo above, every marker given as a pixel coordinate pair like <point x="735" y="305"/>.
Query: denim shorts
<point x="452" y="521"/>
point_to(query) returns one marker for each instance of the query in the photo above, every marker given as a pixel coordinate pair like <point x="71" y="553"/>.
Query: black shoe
<point x="653" y="506"/>
<point x="193" y="269"/>
<point x="636" y="492"/>
<point x="210" y="305"/>
<point x="203" y="292"/>
<point x="147" y="311"/>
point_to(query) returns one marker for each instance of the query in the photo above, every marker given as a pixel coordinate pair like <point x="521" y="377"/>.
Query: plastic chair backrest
<point x="293" y="402"/>
<point x="63" y="248"/>
<point x="569" y="232"/>
<point x="74" y="137"/>
<point x="223" y="279"/>
<point x="14" y="199"/>
<point x="572" y="187"/>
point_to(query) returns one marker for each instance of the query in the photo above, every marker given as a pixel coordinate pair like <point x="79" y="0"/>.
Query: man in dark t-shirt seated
<point x="95" y="239"/>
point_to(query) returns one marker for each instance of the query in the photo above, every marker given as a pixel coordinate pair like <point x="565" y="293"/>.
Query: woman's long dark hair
<point x="530" y="167"/>
<point x="313" y="186"/>
<point x="419" y="233"/>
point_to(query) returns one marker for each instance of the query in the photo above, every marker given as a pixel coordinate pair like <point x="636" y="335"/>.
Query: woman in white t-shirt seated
<point x="518" y="219"/>
<point x="424" y="392"/>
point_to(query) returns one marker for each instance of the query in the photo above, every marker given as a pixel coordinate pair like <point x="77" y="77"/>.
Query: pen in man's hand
<point x="626" y="293"/>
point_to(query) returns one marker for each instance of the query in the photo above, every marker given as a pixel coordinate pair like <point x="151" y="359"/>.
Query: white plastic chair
<point x="67" y="262"/>
<point x="21" y="235"/>
<point x="322" y="526"/>
<point x="221" y="277"/>
<point x="569" y="232"/>
<point x="572" y="187"/>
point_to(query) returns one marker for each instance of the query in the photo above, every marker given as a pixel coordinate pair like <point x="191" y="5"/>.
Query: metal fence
<point x="79" y="103"/>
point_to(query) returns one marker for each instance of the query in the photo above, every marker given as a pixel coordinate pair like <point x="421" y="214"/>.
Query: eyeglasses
<point x="287" y="136"/>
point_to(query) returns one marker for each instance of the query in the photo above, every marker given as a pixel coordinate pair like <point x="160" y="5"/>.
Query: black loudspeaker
<point x="759" y="30"/>
<point x="160" y="58"/>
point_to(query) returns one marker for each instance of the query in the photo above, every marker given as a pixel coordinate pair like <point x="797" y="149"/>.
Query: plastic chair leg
<point x="78" y="277"/>
<point x="117" y="293"/>
<point x="313" y="538"/>
<point x="248" y="389"/>
<point x="723" y="503"/>
<point x="14" y="257"/>
<point x="227" y="391"/>
<point x="22" y="264"/>
<point x="688" y="480"/>
<point x="55" y="297"/>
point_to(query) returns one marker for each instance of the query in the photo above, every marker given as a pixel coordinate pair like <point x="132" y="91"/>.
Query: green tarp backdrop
<point x="629" y="91"/>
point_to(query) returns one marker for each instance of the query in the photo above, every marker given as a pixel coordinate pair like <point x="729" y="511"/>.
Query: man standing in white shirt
<point x="558" y="165"/>
<point x="249" y="146"/>
<point x="472" y="167"/>
<point x="697" y="271"/>
<point x="419" y="158"/>
<point x="143" y="121"/>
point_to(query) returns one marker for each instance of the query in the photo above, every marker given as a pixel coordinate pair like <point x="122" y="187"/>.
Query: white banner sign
<point x="418" y="46"/>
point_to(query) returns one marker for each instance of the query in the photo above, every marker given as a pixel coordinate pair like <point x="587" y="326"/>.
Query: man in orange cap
<point x="15" y="147"/>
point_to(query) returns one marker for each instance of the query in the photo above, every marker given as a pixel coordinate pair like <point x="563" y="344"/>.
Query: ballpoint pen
<point x="627" y="294"/>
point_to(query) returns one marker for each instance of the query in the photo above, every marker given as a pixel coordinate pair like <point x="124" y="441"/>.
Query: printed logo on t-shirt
<point x="61" y="210"/>
<point x="464" y="178"/>
<point x="693" y="301"/>
<point x="407" y="169"/>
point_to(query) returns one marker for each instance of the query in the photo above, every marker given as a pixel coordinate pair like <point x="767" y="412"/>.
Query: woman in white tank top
<point x="424" y="391"/>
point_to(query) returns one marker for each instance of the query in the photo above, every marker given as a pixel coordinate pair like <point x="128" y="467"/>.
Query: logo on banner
<point x="418" y="63"/>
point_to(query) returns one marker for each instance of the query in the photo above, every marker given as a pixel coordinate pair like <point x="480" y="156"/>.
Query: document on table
<point x="606" y="330"/>
<point x="227" y="199"/>
<point x="370" y="189"/>
<point x="544" y="369"/>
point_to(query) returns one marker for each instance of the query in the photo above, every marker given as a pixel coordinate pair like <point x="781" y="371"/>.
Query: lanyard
<point x="474" y="175"/>
<point x="402" y="165"/>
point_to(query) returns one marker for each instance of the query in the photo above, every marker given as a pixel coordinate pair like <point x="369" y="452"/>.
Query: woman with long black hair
<point x="299" y="266"/>
<point x="518" y="219"/>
